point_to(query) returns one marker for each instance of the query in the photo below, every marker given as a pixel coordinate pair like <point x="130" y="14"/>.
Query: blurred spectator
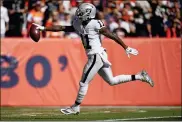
<point x="52" y="5"/>
<point x="111" y="13"/>
<point x="66" y="5"/>
<point x="67" y="19"/>
<point x="139" y="21"/>
<point x="157" y="24"/>
<point x="177" y="9"/>
<point x="121" y="32"/>
<point x="4" y="19"/>
<point x="145" y="6"/>
<point x="126" y="16"/>
<point x="35" y="15"/>
<point x="16" y="9"/>
<point x="54" y="21"/>
<point x="147" y="13"/>
<point x="98" y="4"/>
<point x="61" y="11"/>
<point x="173" y="28"/>
<point x="43" y="6"/>
<point x="31" y="4"/>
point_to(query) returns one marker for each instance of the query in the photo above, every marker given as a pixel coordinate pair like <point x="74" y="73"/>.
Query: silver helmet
<point x="86" y="11"/>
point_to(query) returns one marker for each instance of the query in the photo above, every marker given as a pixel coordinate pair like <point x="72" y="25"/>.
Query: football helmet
<point x="86" y="11"/>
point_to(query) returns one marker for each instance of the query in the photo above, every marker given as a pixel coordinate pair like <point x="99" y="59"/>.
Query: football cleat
<point x="146" y="78"/>
<point x="71" y="110"/>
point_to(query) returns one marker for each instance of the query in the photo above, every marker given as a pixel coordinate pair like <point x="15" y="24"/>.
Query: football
<point x="34" y="33"/>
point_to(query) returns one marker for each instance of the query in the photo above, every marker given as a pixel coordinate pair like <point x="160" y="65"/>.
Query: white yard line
<point x="143" y="118"/>
<point x="137" y="107"/>
<point x="119" y="106"/>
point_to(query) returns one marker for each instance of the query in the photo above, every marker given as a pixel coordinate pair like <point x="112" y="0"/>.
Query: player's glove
<point x="132" y="51"/>
<point x="39" y="27"/>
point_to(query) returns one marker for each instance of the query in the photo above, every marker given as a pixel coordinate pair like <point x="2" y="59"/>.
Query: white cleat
<point x="71" y="110"/>
<point x="146" y="78"/>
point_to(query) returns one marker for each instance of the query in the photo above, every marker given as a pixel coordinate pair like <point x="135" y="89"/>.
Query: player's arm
<point x="112" y="36"/>
<point x="56" y="28"/>
<point x="60" y="28"/>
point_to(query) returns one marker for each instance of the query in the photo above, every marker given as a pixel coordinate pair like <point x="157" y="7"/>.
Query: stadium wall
<point x="47" y="73"/>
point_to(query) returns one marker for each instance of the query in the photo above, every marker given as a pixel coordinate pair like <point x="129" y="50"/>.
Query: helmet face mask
<point x="86" y="11"/>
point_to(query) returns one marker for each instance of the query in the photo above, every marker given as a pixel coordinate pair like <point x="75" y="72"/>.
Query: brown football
<point x="34" y="33"/>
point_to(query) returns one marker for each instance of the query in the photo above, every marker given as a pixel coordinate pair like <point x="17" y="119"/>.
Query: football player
<point x="90" y="30"/>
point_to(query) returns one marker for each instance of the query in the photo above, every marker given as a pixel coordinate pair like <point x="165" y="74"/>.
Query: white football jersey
<point x="89" y="34"/>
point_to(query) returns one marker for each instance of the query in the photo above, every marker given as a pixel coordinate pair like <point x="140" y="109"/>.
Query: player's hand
<point x="132" y="51"/>
<point x="39" y="27"/>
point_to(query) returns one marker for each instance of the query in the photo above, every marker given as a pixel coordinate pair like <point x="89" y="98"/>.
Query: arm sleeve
<point x="69" y="29"/>
<point x="98" y="25"/>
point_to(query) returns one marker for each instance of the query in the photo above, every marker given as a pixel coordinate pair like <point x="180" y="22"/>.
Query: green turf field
<point x="92" y="113"/>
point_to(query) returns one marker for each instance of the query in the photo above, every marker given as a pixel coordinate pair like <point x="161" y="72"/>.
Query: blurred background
<point x="127" y="18"/>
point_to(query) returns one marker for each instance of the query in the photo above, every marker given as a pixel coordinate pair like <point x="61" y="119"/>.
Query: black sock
<point x="133" y="77"/>
<point x="77" y="103"/>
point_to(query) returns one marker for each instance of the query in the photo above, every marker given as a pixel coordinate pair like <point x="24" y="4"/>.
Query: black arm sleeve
<point x="60" y="28"/>
<point x="69" y="29"/>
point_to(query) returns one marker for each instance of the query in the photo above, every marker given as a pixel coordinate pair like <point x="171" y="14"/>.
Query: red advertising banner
<point x="48" y="73"/>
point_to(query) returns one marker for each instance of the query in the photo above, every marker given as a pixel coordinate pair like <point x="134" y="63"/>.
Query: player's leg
<point x="106" y="74"/>
<point x="90" y="70"/>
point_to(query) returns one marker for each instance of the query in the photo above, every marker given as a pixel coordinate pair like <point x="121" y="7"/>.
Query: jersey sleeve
<point x="98" y="24"/>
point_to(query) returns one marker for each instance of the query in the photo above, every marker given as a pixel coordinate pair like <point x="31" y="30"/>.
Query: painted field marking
<point x="143" y="118"/>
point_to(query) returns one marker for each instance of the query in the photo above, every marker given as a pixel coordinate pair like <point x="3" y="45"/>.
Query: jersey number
<point x="85" y="41"/>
